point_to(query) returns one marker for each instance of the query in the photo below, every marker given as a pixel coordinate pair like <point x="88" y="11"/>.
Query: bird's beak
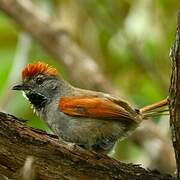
<point x="21" y="87"/>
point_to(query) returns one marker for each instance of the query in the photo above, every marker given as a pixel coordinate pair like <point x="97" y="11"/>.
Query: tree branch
<point x="175" y="95"/>
<point x="57" y="160"/>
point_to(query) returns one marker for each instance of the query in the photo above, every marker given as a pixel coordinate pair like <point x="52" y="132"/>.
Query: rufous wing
<point x="93" y="107"/>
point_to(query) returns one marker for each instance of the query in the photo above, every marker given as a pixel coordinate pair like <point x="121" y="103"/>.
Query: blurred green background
<point x="130" y="40"/>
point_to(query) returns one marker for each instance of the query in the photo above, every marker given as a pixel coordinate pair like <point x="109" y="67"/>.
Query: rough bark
<point x="174" y="98"/>
<point x="57" y="160"/>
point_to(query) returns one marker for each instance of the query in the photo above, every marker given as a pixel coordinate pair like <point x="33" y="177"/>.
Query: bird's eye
<point x="39" y="80"/>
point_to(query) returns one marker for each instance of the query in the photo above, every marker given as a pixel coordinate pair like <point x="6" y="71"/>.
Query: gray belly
<point x="95" y="134"/>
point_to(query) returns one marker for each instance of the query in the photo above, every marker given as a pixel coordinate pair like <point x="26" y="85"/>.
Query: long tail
<point x="156" y="109"/>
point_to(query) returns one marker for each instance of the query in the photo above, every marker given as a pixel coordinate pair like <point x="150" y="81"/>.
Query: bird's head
<point x="40" y="83"/>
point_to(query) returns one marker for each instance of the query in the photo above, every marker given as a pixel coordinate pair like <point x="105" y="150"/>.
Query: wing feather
<point x="93" y="107"/>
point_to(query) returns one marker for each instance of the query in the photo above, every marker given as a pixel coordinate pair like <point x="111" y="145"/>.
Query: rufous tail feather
<point x="156" y="109"/>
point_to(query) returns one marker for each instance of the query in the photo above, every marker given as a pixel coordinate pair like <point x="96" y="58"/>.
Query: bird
<point x="90" y="119"/>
